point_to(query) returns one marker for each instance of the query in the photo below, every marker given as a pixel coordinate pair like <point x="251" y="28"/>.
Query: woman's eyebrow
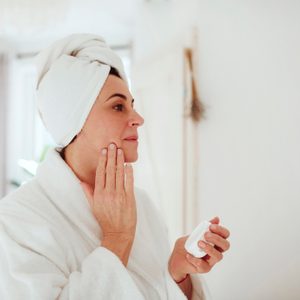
<point x="120" y="96"/>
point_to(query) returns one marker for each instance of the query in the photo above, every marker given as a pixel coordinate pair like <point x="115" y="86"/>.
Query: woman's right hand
<point x="112" y="200"/>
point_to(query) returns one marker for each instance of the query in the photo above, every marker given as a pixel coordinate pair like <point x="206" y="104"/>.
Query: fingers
<point x="214" y="254"/>
<point x="224" y="232"/>
<point x="215" y="243"/>
<point x="129" y="180"/>
<point x="100" y="171"/>
<point x="120" y="171"/>
<point x="110" y="184"/>
<point x="110" y="170"/>
<point x="200" y="265"/>
<point x="215" y="220"/>
<point x="217" y="240"/>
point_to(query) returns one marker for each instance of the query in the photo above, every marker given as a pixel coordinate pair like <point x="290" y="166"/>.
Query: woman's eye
<point x="119" y="105"/>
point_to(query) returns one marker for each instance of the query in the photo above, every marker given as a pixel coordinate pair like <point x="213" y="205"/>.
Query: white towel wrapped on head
<point x="71" y="74"/>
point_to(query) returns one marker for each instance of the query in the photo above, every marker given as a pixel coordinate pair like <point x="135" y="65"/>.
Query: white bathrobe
<point x="50" y="245"/>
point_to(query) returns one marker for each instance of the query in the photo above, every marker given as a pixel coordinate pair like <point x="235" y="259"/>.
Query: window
<point x="28" y="140"/>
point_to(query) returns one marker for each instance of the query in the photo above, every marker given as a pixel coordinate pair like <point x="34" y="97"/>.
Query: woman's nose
<point x="136" y="119"/>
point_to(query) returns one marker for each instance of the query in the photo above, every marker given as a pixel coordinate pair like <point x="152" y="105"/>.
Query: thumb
<point x="88" y="192"/>
<point x="215" y="220"/>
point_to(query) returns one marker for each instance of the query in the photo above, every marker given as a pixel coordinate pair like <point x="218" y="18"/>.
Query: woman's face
<point x="112" y="119"/>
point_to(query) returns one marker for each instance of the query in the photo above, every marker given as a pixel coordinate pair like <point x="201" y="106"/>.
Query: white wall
<point x="33" y="24"/>
<point x="248" y="79"/>
<point x="250" y="142"/>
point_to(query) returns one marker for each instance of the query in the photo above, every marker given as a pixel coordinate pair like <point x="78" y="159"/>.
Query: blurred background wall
<point x="246" y="149"/>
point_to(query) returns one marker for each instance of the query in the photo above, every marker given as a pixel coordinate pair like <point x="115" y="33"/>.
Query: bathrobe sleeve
<point x="200" y="289"/>
<point x="28" y="274"/>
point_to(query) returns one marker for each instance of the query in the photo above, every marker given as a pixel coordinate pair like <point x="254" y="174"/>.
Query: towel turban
<point x="70" y="75"/>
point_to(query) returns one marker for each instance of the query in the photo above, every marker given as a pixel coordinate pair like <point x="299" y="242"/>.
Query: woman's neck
<point x="82" y="163"/>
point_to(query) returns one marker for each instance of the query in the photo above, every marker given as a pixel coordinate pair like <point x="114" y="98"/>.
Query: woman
<point x="80" y="229"/>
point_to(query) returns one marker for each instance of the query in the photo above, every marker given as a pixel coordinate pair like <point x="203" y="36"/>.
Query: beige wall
<point x="250" y="142"/>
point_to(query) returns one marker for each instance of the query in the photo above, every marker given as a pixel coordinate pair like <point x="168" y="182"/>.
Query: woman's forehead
<point x="114" y="85"/>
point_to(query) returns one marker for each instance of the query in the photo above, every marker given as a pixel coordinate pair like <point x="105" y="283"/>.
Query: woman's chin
<point x="131" y="157"/>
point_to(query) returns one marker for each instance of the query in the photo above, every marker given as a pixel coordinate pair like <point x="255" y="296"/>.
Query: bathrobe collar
<point x="63" y="188"/>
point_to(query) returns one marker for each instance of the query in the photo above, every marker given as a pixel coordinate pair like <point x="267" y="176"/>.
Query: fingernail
<point x="104" y="151"/>
<point x="202" y="244"/>
<point x="112" y="146"/>
<point x="119" y="151"/>
<point x="214" y="226"/>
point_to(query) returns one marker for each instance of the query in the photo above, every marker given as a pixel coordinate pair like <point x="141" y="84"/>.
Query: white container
<point x="191" y="244"/>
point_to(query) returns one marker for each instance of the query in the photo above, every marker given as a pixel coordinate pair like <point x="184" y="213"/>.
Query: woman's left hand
<point x="182" y="263"/>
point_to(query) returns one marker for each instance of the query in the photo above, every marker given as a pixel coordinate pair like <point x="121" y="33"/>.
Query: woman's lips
<point x="132" y="137"/>
<point x="132" y="140"/>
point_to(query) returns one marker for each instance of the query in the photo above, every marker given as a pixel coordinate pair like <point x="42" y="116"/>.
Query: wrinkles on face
<point x="110" y="121"/>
